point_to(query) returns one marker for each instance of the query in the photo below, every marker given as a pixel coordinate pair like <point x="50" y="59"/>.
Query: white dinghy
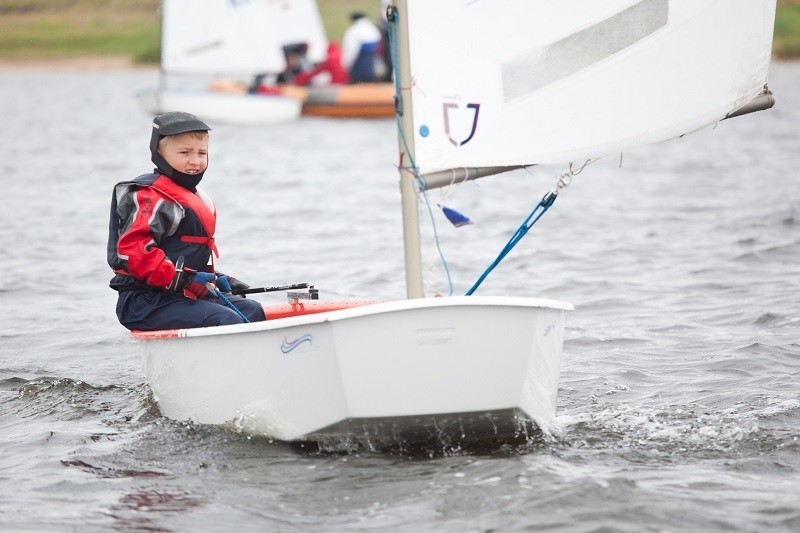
<point x="392" y="374"/>
<point x="493" y="88"/>
<point x="223" y="107"/>
<point x="202" y="41"/>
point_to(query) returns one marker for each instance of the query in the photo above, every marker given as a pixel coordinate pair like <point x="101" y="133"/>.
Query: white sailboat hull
<point x="220" y="107"/>
<point x="482" y="367"/>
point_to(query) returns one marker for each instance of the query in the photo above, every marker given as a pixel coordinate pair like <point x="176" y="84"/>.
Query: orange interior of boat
<point x="272" y="312"/>
<point x="310" y="307"/>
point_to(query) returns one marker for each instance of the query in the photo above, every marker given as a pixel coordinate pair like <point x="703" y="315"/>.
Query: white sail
<point x="519" y="82"/>
<point x="237" y="36"/>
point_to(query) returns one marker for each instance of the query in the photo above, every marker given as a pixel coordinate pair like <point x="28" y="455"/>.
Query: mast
<point x="405" y="139"/>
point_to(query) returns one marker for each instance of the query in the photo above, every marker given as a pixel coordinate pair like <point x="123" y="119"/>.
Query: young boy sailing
<point x="161" y="239"/>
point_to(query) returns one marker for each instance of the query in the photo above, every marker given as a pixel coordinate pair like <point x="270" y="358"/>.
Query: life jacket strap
<point x="208" y="241"/>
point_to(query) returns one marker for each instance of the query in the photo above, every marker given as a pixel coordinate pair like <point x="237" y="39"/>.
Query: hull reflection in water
<point x="429" y="435"/>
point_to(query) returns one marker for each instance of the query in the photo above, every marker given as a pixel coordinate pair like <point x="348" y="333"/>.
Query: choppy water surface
<point x="679" y="401"/>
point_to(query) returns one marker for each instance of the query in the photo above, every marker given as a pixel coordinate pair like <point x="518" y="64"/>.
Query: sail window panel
<point x="532" y="70"/>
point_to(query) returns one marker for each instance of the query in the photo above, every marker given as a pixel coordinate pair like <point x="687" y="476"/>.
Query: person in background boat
<point x="161" y="238"/>
<point x="296" y="62"/>
<point x="329" y="72"/>
<point x="360" y="50"/>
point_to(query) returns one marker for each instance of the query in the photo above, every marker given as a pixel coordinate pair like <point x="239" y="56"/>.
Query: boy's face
<point x="185" y="152"/>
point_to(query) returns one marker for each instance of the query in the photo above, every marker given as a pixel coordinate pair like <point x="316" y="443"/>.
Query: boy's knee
<point x="221" y="317"/>
<point x="252" y="309"/>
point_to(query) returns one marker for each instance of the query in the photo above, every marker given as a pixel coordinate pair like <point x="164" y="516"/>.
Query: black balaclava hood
<point x="173" y="123"/>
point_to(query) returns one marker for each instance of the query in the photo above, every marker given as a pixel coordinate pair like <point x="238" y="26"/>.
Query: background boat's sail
<point x="237" y="36"/>
<point x="518" y="82"/>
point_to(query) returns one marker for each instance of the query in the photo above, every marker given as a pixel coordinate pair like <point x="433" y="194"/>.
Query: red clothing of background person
<point x="332" y="65"/>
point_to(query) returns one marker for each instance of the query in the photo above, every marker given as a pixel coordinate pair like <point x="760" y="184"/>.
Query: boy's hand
<point x="224" y="283"/>
<point x="191" y="283"/>
<point x="230" y="284"/>
<point x="198" y="286"/>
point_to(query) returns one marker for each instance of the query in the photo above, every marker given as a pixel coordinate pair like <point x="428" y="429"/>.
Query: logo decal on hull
<point x="550" y="328"/>
<point x="288" y="345"/>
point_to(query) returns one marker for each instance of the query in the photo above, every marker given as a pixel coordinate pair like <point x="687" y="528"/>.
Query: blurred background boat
<point x="225" y="62"/>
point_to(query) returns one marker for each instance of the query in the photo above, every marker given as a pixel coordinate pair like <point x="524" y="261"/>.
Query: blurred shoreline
<point x="113" y="62"/>
<point x="122" y="62"/>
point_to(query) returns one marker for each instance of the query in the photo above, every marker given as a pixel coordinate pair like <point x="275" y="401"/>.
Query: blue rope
<point x="230" y="304"/>
<point x="393" y="43"/>
<point x="544" y="205"/>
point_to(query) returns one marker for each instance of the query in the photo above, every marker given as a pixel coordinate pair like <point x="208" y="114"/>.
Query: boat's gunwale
<point x="355" y="312"/>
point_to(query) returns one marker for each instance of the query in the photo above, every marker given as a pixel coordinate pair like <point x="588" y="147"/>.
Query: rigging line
<point x="571" y="172"/>
<point x="413" y="167"/>
<point x="438" y="244"/>
<point x="564" y="180"/>
<point x="545" y="203"/>
<point x="445" y="190"/>
<point x="218" y="294"/>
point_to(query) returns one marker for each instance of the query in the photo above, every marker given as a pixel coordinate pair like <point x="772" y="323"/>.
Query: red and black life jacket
<point x="153" y="222"/>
